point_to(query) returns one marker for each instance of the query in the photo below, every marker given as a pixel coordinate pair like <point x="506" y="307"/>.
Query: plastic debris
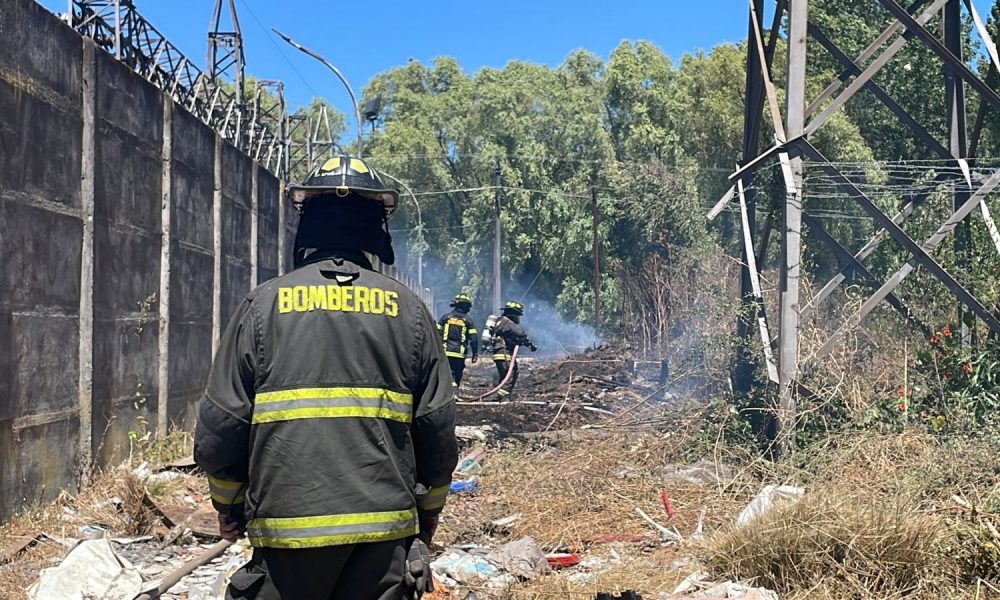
<point x="523" y="558"/>
<point x="92" y="571"/>
<point x="767" y="499"/>
<point x="464" y="486"/>
<point x="561" y="560"/>
<point x="694" y="582"/>
<point x="731" y="590"/>
<point x="464" y="567"/>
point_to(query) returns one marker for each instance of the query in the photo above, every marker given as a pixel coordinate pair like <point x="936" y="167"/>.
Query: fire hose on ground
<point x="503" y="382"/>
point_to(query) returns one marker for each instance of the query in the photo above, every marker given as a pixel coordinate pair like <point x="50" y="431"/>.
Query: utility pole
<point x="496" y="234"/>
<point x="959" y="146"/>
<point x="791" y="249"/>
<point x="597" y="256"/>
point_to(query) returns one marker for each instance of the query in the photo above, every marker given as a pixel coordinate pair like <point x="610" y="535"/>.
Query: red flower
<point x="933" y="339"/>
<point x="946" y="332"/>
<point x="902" y="406"/>
<point x="967" y="367"/>
<point x="901" y="392"/>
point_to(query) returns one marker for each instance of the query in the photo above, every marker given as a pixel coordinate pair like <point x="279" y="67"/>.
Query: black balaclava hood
<point x="349" y="223"/>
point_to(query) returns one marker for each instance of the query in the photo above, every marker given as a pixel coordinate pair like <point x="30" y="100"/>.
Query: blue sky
<point x="365" y="38"/>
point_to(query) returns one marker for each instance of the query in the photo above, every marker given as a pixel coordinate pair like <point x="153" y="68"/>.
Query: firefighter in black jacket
<point x="508" y="333"/>
<point x="327" y="426"/>
<point x="459" y="334"/>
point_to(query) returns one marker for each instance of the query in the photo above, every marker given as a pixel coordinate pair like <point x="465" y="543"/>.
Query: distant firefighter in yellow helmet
<point x="459" y="335"/>
<point x="507" y="334"/>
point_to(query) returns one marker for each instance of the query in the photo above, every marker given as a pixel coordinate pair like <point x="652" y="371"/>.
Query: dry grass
<point x="867" y="545"/>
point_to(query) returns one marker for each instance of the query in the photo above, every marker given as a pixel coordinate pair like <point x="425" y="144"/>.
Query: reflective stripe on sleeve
<point x="433" y="499"/>
<point x="226" y="492"/>
<point x="332" y="530"/>
<point x="318" y="403"/>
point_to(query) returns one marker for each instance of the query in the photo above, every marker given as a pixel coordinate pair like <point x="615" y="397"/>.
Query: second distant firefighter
<point x="459" y="335"/>
<point x="507" y="333"/>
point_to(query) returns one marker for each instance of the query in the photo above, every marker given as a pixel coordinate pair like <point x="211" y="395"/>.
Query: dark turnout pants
<point x="502" y="366"/>
<point x="353" y="572"/>
<point x="457" y="368"/>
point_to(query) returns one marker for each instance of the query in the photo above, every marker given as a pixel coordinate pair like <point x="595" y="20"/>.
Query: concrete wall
<point x="129" y="231"/>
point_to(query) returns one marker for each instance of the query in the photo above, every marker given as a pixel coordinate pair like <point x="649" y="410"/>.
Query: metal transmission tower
<point x="226" y="61"/>
<point x="118" y="28"/>
<point x="310" y="140"/>
<point x="794" y="151"/>
<point x="268" y="126"/>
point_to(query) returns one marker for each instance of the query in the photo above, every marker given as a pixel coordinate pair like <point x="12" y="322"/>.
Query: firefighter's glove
<point x="418" y="568"/>
<point x="232" y="524"/>
<point x="532" y="347"/>
<point x="428" y="525"/>
<point x="475" y="358"/>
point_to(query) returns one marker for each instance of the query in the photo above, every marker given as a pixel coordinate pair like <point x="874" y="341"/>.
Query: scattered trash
<point x="703" y="472"/>
<point x="581" y="577"/>
<point x="92" y="532"/>
<point x="700" y="527"/>
<point x="124" y="541"/>
<point x="667" y="506"/>
<point x="468" y="432"/>
<point x="671" y="535"/>
<point x="16" y="545"/>
<point x="731" y="590"/>
<point x="766" y="499"/>
<point x="506" y="521"/>
<point x="694" y="582"/>
<point x="523" y="558"/>
<point x="561" y="560"/>
<point x="470" y="463"/>
<point x="464" y="567"/>
<point x="92" y="570"/>
<point x="467" y="486"/>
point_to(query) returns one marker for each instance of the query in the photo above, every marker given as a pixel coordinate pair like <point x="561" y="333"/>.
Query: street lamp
<point x="336" y="71"/>
<point x="420" y="230"/>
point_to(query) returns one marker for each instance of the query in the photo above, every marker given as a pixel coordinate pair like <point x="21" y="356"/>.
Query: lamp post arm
<point x="420" y="228"/>
<point x="336" y="71"/>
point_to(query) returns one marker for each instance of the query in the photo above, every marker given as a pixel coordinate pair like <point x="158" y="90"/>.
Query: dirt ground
<point x="586" y="444"/>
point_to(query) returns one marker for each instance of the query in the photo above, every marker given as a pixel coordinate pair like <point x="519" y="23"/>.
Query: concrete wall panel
<point x="126" y="273"/>
<point x="41" y="257"/>
<point x="125" y="388"/>
<point x="46" y="456"/>
<point x="39" y="147"/>
<point x="235" y="285"/>
<point x="190" y="286"/>
<point x="46" y="369"/>
<point x="126" y="101"/>
<point x="267" y="227"/>
<point x="38" y="47"/>
<point x="127" y="182"/>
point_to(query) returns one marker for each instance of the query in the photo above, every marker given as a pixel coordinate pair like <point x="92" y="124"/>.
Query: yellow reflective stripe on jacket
<point x="226" y="492"/>
<point x="332" y="530"/>
<point x="501" y="356"/>
<point x="433" y="499"/>
<point x="332" y="402"/>
<point x="455" y="354"/>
